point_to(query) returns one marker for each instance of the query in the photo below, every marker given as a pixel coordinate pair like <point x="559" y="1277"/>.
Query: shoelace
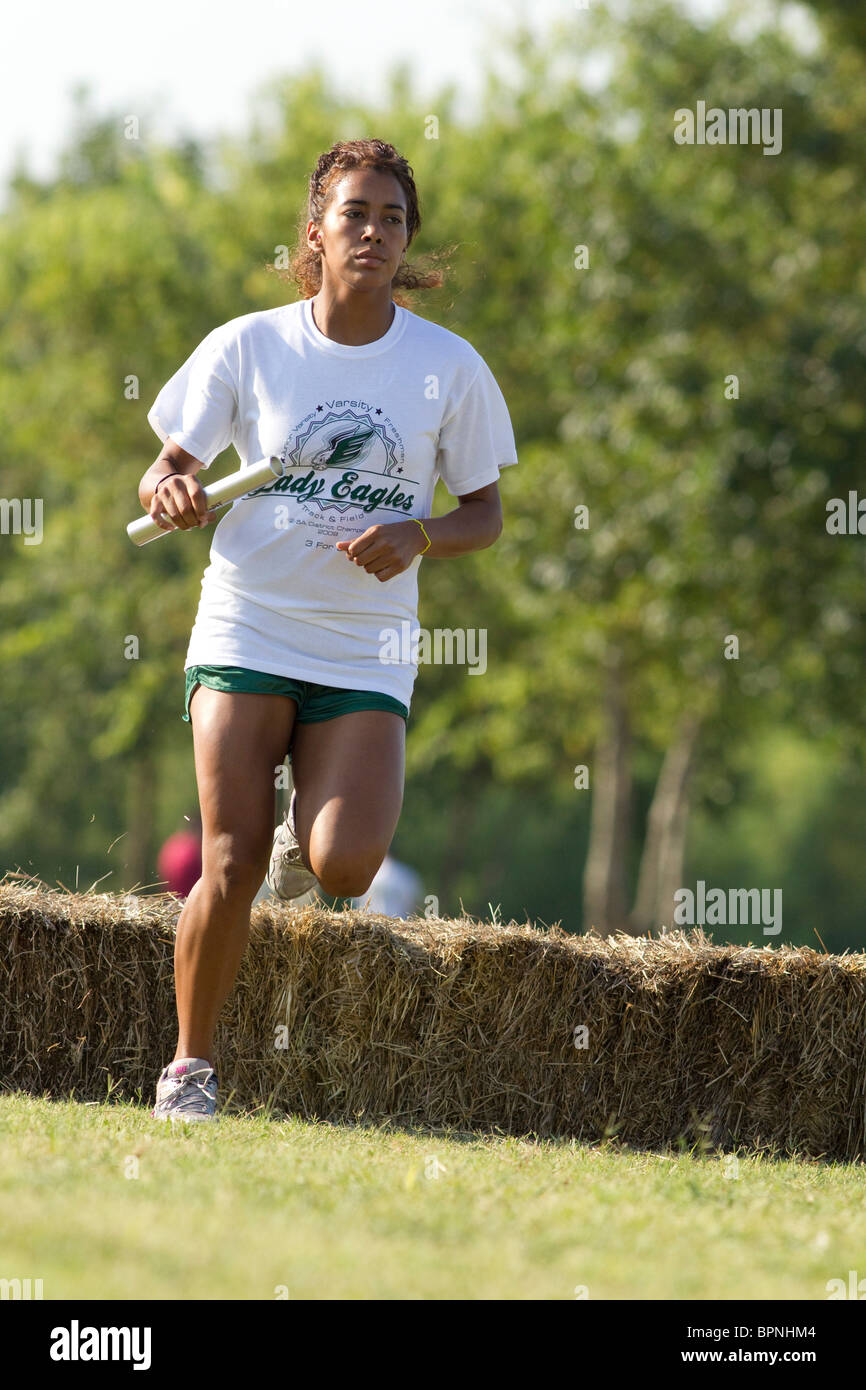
<point x="288" y="849"/>
<point x="191" y="1101"/>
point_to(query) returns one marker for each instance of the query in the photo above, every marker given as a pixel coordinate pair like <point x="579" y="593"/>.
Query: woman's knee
<point x="235" y="866"/>
<point x="345" y="875"/>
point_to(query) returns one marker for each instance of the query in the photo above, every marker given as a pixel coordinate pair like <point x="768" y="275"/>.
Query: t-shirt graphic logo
<point x="342" y="463"/>
<point x="338" y="435"/>
<point x="345" y="447"/>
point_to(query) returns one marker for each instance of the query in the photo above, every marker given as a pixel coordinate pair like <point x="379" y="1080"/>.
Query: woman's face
<point x="365" y="218"/>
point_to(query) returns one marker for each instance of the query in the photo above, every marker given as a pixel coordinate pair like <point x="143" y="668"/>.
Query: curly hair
<point x="305" y="266"/>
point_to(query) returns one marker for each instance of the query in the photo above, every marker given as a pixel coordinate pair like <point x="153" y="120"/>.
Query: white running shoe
<point x="288" y="875"/>
<point x="186" y="1091"/>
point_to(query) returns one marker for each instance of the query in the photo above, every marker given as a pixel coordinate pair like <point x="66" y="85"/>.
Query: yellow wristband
<point x="429" y="542"/>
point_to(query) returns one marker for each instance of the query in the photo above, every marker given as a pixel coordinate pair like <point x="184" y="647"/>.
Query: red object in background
<point x="179" y="862"/>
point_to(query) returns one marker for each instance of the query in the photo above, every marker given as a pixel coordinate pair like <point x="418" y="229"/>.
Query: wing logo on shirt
<point x="344" y="447"/>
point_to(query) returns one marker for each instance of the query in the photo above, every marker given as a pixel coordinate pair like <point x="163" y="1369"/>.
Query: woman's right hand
<point x="181" y="499"/>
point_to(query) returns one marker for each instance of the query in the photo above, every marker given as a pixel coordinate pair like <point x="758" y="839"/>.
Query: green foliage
<point x="706" y="514"/>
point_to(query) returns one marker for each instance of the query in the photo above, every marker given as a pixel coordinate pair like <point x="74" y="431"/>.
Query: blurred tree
<point x="606" y="643"/>
<point x="706" y="505"/>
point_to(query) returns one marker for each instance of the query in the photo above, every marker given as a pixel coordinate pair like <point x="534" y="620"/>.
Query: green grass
<point x="238" y="1209"/>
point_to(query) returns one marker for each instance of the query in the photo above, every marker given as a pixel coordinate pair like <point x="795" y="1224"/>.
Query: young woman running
<point x="299" y="643"/>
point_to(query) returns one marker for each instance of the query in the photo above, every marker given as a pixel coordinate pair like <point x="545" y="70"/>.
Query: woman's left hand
<point x="386" y="550"/>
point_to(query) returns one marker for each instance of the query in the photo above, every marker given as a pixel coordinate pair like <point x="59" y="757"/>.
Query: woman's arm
<point x="475" y="524"/>
<point x="387" y="550"/>
<point x="182" y="498"/>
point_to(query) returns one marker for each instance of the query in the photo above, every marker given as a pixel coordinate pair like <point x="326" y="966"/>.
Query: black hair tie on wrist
<point x="175" y="474"/>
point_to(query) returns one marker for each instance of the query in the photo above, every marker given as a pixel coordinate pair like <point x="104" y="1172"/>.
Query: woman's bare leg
<point x="348" y="774"/>
<point x="240" y="740"/>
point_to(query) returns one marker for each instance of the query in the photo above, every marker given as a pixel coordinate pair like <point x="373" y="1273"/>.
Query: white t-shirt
<point x="363" y="433"/>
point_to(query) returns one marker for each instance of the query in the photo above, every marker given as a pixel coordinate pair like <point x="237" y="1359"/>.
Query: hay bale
<point x="459" y="1023"/>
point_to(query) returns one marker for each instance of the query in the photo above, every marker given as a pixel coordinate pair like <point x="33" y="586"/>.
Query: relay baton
<point x="218" y="494"/>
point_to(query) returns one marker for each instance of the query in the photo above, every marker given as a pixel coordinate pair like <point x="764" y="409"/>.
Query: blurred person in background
<point x="179" y="860"/>
<point x="396" y="890"/>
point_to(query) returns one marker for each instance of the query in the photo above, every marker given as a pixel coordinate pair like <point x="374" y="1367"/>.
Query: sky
<point x="198" y="62"/>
